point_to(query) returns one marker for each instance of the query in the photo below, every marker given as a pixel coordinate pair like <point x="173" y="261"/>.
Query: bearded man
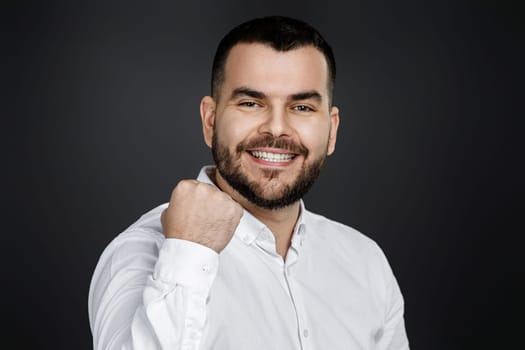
<point x="235" y="261"/>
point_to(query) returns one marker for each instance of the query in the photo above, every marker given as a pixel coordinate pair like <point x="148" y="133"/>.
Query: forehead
<point x="260" y="67"/>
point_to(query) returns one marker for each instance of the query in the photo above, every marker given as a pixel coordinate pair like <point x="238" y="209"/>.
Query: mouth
<point x="273" y="157"/>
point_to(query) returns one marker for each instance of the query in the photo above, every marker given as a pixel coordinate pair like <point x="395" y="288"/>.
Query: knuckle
<point x="234" y="207"/>
<point x="216" y="194"/>
<point x="239" y="211"/>
<point x="202" y="189"/>
<point x="183" y="184"/>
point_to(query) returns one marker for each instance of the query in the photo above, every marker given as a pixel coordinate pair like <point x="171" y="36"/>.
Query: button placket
<point x="304" y="333"/>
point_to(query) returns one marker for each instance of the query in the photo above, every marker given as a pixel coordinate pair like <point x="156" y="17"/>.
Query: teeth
<point x="273" y="157"/>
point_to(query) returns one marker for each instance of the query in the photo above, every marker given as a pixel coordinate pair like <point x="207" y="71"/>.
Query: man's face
<point x="272" y="127"/>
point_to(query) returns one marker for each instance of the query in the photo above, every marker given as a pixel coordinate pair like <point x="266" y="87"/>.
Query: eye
<point x="303" y="108"/>
<point x="249" y="104"/>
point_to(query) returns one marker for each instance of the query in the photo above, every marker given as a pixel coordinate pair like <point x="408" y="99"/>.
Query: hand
<point x="201" y="213"/>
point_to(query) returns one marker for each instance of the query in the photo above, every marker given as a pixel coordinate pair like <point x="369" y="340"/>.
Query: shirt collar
<point x="250" y="228"/>
<point x="204" y="175"/>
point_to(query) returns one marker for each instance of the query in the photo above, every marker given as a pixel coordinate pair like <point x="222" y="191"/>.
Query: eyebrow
<point x="246" y="91"/>
<point x="307" y="95"/>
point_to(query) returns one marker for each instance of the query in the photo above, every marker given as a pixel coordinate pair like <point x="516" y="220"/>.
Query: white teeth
<point x="273" y="157"/>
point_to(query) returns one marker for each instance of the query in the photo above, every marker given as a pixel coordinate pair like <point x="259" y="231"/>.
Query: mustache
<point x="272" y="142"/>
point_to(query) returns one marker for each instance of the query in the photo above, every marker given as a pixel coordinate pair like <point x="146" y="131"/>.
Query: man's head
<point x="280" y="33"/>
<point x="270" y="122"/>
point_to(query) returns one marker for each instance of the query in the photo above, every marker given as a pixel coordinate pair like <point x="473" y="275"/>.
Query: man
<point x="235" y="261"/>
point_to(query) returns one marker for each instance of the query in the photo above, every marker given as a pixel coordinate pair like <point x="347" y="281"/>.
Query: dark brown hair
<point x="280" y="33"/>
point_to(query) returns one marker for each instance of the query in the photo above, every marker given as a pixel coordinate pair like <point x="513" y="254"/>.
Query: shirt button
<point x="305" y="333"/>
<point x="205" y="268"/>
<point x="195" y="335"/>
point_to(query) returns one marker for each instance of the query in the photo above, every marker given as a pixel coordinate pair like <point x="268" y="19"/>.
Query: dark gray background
<point x="100" y="120"/>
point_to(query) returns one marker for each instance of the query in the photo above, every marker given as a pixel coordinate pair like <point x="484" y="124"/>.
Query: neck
<point x="280" y="221"/>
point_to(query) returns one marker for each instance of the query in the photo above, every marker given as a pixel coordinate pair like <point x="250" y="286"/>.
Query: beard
<point x="228" y="165"/>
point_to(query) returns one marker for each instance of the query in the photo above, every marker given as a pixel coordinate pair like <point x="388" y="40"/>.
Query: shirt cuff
<point x="186" y="263"/>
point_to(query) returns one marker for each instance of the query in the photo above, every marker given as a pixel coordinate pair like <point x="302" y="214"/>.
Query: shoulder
<point x="140" y="242"/>
<point x="345" y="244"/>
<point x="147" y="228"/>
<point x="149" y="222"/>
<point x="337" y="233"/>
<point x="126" y="261"/>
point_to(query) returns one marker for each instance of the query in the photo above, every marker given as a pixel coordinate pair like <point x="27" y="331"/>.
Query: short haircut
<point x="281" y="34"/>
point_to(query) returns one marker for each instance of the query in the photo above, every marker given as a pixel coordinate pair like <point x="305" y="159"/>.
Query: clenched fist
<point x="201" y="213"/>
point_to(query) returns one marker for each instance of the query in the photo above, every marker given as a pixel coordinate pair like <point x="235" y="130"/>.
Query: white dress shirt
<point x="335" y="290"/>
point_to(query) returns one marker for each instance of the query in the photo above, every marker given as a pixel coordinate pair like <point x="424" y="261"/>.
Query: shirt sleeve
<point x="394" y="335"/>
<point x="150" y="295"/>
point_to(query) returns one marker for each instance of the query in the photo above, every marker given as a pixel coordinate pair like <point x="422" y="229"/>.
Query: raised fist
<point x="201" y="213"/>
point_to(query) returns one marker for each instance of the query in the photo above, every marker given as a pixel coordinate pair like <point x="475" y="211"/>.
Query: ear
<point x="334" y="124"/>
<point x="207" y="110"/>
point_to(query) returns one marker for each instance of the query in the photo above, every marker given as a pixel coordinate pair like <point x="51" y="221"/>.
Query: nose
<point x="276" y="123"/>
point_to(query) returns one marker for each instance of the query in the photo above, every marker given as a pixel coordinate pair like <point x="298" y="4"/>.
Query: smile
<point x="273" y="157"/>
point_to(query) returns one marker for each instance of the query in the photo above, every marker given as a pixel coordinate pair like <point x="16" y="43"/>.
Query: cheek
<point x="315" y="136"/>
<point x="232" y="132"/>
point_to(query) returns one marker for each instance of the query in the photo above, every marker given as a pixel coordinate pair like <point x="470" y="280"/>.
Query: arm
<point x="394" y="335"/>
<point x="145" y="298"/>
<point x="150" y="292"/>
